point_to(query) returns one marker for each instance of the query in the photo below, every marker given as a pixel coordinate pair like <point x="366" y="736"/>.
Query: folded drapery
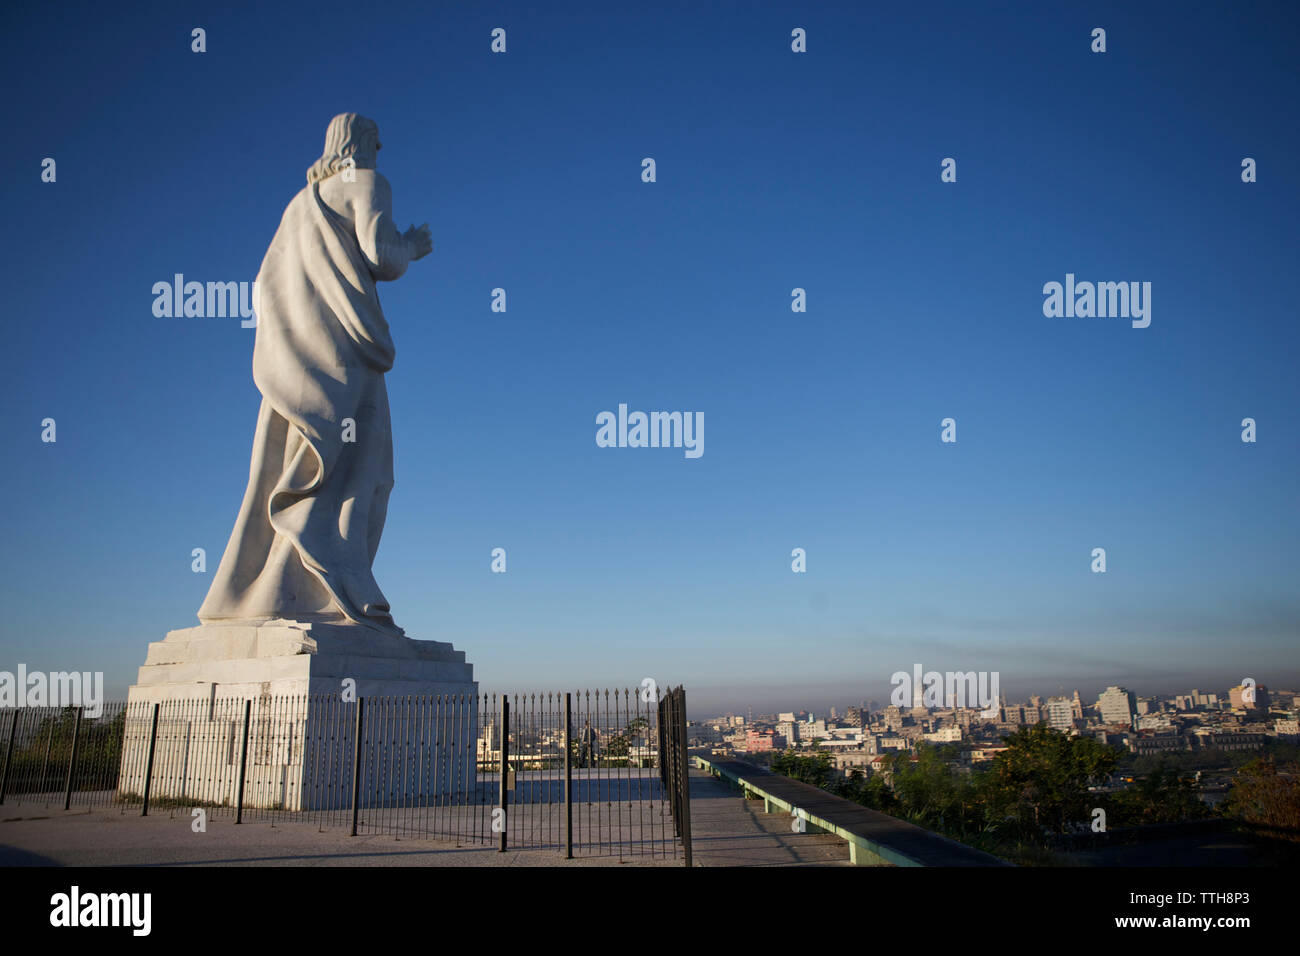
<point x="322" y="464"/>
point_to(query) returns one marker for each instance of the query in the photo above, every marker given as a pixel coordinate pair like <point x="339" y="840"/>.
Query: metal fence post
<point x="243" y="762"/>
<point x="675" y="771"/>
<point x="72" y="760"/>
<point x="505" y="769"/>
<point x="148" y="765"/>
<point x="685" y="781"/>
<point x="662" y="705"/>
<point x="669" y="747"/>
<point x="9" y="755"/>
<point x="568" y="775"/>
<point x="356" y="766"/>
<point x="45" y="763"/>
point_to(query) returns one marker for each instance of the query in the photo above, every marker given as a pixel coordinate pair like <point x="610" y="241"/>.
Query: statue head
<point x="350" y="135"/>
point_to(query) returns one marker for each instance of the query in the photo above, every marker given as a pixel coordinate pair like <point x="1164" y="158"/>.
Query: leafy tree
<point x="931" y="792"/>
<point x="1163" y="796"/>
<point x="1040" y="782"/>
<point x="619" y="745"/>
<point x="1267" y="796"/>
<point x="814" y="767"/>
<point x="872" y="791"/>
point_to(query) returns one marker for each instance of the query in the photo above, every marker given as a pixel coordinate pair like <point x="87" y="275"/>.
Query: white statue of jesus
<point x="322" y="467"/>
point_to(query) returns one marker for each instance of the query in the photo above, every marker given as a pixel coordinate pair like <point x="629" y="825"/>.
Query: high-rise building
<point x="813" y="730"/>
<point x="893" y="718"/>
<point x="1249" y="697"/>
<point x="1060" y="713"/>
<point x="1117" y="706"/>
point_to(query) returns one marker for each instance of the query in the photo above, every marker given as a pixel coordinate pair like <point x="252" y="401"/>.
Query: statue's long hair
<point x="349" y="135"/>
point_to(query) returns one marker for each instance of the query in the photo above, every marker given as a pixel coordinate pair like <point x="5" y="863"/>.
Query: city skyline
<point x="822" y="701"/>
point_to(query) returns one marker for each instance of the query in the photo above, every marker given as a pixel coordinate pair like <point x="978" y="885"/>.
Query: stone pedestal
<point x="297" y="657"/>
<point x="420" y="720"/>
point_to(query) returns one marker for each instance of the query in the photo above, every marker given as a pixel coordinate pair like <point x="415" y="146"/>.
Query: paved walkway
<point x="728" y="830"/>
<point x="31" y="836"/>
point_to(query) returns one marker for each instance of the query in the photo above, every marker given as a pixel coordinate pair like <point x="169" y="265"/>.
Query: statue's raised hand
<point x="420" y="240"/>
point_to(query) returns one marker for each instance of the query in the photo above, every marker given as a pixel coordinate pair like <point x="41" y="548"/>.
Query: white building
<point x="1060" y="713"/>
<point x="1154" y="722"/>
<point x="813" y="730"/>
<point x="1117" y="706"/>
<point x="944" y="735"/>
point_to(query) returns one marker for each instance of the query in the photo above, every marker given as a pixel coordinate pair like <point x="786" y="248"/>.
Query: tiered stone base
<point x="302" y="677"/>
<point x="297" y="657"/>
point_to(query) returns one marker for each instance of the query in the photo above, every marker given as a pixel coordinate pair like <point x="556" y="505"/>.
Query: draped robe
<point x="306" y="535"/>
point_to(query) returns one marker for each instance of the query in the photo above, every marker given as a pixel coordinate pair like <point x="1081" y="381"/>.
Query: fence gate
<point x="674" y="767"/>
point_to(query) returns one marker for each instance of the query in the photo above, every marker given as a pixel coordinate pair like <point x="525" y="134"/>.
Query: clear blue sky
<point x="775" y="170"/>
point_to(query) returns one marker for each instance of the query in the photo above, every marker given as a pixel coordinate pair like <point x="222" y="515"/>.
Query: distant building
<point x="1196" y="701"/>
<point x="1060" y="713"/>
<point x="854" y="760"/>
<point x="1117" y="706"/>
<point x="1158" y="722"/>
<point x="1229" y="741"/>
<point x="702" y="732"/>
<point x="1243" y="697"/>
<point x="944" y="735"/>
<point x="1160" y="743"/>
<point x="813" y="730"/>
<point x="893" y="718"/>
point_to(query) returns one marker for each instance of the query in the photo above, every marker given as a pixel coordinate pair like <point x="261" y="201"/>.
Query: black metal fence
<point x="592" y="772"/>
<point x="674" y="769"/>
<point x="58" y="757"/>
